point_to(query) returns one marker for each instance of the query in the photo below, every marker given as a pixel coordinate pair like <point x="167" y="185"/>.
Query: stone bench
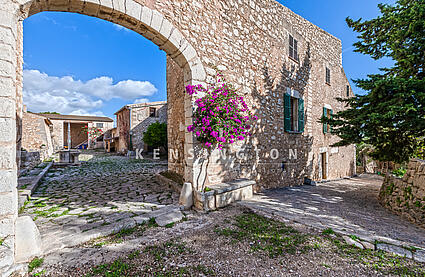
<point x="222" y="195"/>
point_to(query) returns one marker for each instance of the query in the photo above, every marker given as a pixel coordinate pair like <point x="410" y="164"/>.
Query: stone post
<point x="10" y="38"/>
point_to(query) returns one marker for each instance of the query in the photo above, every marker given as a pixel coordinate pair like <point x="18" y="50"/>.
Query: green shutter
<point x="330" y="126"/>
<point x="325" y="125"/>
<point x="287" y="112"/>
<point x="301" y="115"/>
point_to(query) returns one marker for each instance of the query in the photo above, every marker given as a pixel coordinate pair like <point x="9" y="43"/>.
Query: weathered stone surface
<point x="395" y="250"/>
<point x="406" y="196"/>
<point x="353" y="242"/>
<point x="419" y="255"/>
<point x="28" y="239"/>
<point x="368" y="245"/>
<point x="168" y="218"/>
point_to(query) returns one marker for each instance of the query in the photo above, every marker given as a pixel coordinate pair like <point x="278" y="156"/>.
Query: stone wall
<point x="176" y="124"/>
<point x="406" y="196"/>
<point x="123" y="130"/>
<point x="36" y="134"/>
<point x="141" y="120"/>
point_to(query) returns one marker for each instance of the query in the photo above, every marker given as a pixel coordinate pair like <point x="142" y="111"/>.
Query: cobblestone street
<point x="105" y="194"/>
<point x="348" y="206"/>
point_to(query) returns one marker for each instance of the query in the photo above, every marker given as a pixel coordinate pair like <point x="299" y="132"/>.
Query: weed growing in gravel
<point x="379" y="260"/>
<point x="35" y="263"/>
<point x="328" y="231"/>
<point x="117" y="268"/>
<point x="267" y="235"/>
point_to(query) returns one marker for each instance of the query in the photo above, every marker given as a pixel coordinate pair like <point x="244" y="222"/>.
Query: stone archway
<point x="148" y="22"/>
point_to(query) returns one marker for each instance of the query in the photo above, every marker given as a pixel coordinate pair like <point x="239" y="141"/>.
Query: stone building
<point x="36" y="142"/>
<point x="289" y="71"/>
<point x="44" y="134"/>
<point x="133" y="121"/>
<point x="76" y="123"/>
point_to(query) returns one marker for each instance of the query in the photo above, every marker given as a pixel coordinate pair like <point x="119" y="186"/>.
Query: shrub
<point x="156" y="135"/>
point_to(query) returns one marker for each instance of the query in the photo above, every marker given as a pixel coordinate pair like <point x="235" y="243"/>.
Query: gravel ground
<point x="229" y="242"/>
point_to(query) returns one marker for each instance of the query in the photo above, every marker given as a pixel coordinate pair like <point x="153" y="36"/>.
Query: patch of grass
<point x="118" y="268"/>
<point x="328" y="231"/>
<point x="35" y="263"/>
<point x="2" y="240"/>
<point x="169" y="225"/>
<point x="354" y="237"/>
<point x="22" y="209"/>
<point x="263" y="234"/>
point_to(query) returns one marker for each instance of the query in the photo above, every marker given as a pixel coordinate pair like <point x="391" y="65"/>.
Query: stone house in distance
<point x="133" y="120"/>
<point x="44" y="134"/>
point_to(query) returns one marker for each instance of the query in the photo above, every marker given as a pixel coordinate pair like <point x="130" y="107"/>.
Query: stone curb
<point x="408" y="251"/>
<point x="174" y="185"/>
<point x="25" y="194"/>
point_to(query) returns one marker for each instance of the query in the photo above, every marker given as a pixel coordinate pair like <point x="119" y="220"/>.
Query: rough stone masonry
<point x="406" y="196"/>
<point x="271" y="55"/>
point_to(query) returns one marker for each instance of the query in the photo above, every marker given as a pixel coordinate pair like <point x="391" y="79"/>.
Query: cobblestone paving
<point x="100" y="197"/>
<point x="349" y="206"/>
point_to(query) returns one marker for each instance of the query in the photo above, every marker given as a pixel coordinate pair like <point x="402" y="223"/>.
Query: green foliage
<point x="272" y="237"/>
<point x="35" y="263"/>
<point x="156" y="135"/>
<point x="391" y="116"/>
<point x="399" y="172"/>
<point x="328" y="231"/>
<point x="115" y="269"/>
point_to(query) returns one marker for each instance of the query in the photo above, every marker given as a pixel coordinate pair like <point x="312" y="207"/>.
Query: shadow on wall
<point x="271" y="156"/>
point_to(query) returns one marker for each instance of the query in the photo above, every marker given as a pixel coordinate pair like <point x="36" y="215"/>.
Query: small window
<point x="152" y="112"/>
<point x="99" y="125"/>
<point x="328" y="76"/>
<point x="293" y="48"/>
<point x="348" y="91"/>
<point x="328" y="114"/>
<point x="294" y="114"/>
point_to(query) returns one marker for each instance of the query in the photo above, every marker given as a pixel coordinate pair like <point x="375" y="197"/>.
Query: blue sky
<point x="77" y="64"/>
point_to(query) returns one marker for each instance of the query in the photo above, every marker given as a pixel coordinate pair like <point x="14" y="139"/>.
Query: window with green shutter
<point x="328" y="113"/>
<point x="294" y="114"/>
<point x="325" y="125"/>
<point x="287" y="112"/>
<point x="301" y="115"/>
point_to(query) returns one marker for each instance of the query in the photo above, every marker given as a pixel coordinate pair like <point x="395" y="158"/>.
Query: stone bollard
<point x="186" y="196"/>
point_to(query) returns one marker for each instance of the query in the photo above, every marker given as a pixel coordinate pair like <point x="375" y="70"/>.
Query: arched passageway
<point x="182" y="58"/>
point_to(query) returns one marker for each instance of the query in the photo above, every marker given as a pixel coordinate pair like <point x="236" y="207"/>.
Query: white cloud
<point x="69" y="96"/>
<point x="121" y="28"/>
<point x="141" y="100"/>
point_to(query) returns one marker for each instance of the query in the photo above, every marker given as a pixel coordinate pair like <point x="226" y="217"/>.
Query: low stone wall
<point x="406" y="196"/>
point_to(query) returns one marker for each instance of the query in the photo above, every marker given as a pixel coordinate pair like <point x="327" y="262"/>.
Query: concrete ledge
<point x="222" y="195"/>
<point x="25" y="194"/>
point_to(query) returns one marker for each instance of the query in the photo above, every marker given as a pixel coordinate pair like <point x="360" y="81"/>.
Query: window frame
<point x="99" y="123"/>
<point x="294" y="119"/>
<point x="152" y="112"/>
<point x="293" y="48"/>
<point x="328" y="76"/>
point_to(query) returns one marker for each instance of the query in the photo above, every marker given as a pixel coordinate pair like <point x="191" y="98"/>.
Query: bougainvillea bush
<point x="221" y="116"/>
<point x="92" y="132"/>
